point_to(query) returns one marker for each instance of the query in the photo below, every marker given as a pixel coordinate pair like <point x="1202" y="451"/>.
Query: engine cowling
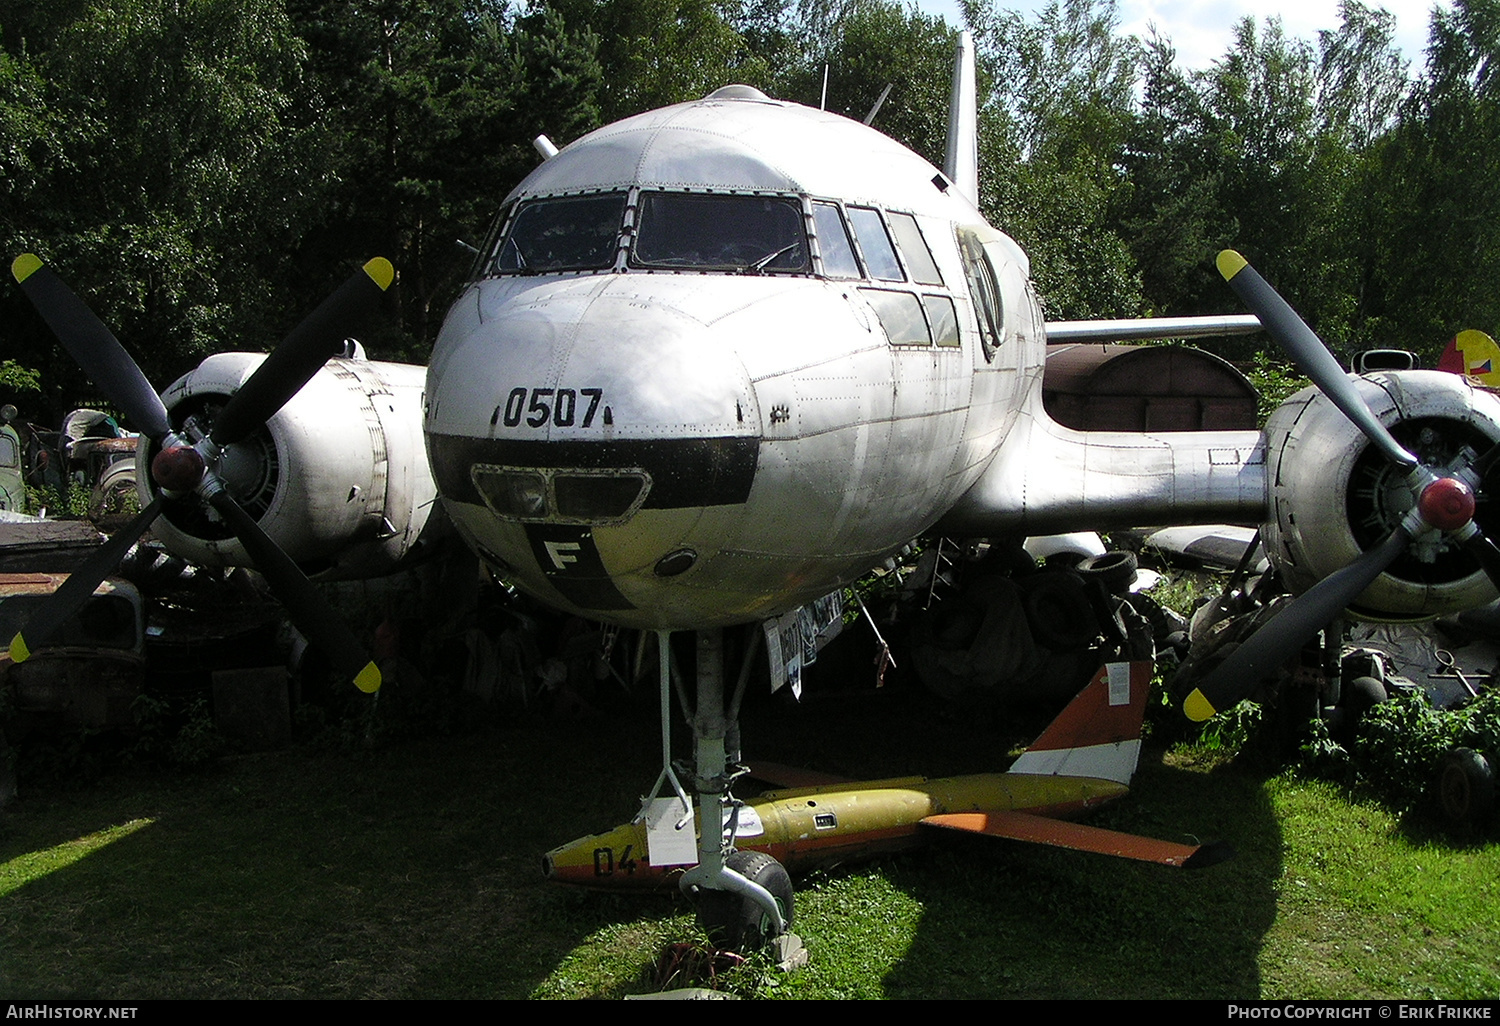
<point x="1332" y="495"/>
<point x="338" y="478"/>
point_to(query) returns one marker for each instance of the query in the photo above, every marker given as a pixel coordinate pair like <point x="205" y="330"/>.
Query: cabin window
<point x="983" y="292"/>
<point x="564" y="233"/>
<point x="900" y="315"/>
<point x="834" y="245"/>
<point x="943" y="319"/>
<point x="692" y="231"/>
<point x="875" y="244"/>
<point x="914" y="248"/>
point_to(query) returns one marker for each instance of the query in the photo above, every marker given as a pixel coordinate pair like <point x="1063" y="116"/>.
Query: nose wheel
<point x="744" y="898"/>
<point x="739" y="923"/>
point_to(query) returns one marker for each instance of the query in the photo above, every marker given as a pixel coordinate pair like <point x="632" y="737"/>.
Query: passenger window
<point x="984" y="293"/>
<point x="726" y="233"/>
<point x="914" y="248"/>
<point x="900" y="315"/>
<point x="833" y="242"/>
<point x="875" y="244"/>
<point x="943" y="319"/>
<point x="569" y="233"/>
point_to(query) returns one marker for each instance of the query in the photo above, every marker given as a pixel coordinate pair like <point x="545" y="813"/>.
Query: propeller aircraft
<point x="718" y="360"/>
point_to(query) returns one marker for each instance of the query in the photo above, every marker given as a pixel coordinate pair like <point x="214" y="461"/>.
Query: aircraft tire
<point x="738" y="924"/>
<point x="1058" y="611"/>
<point x="1115" y="570"/>
<point x="1466" y="787"/>
<point x="1358" y="698"/>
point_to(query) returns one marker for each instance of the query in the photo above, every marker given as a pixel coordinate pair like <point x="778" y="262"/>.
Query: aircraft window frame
<point x="769" y="262"/>
<point x="895" y="321"/>
<point x="596" y="262"/>
<point x="911" y="246"/>
<point x="840" y="226"/>
<point x="482" y="266"/>
<point x="984" y="292"/>
<point x="944" y="326"/>
<point x="890" y="269"/>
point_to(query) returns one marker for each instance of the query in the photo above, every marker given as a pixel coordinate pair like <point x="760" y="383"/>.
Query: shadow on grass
<point x="1001" y="919"/>
<point x="1005" y="920"/>
<point x="414" y="871"/>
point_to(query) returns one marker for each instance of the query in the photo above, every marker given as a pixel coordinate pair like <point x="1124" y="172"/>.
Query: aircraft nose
<point x="585" y="362"/>
<point x="590" y="441"/>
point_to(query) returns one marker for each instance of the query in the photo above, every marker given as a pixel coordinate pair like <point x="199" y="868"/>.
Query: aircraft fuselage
<point x="784" y="347"/>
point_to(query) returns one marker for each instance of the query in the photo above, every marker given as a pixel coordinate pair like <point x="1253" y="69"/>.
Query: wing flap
<point x="1023" y="826"/>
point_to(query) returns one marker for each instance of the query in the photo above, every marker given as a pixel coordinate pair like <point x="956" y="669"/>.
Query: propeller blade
<point x="308" y="610"/>
<point x="1483" y="464"/>
<point x="1308" y="352"/>
<point x="1276" y="642"/>
<point x="75" y="591"/>
<point x="1484" y="550"/>
<point x="311" y="344"/>
<point x="93" y="345"/>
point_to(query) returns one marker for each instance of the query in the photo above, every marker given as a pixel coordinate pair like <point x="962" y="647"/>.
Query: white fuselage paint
<point x="854" y="442"/>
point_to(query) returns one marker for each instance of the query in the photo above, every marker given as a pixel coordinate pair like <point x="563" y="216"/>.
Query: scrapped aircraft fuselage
<point x="793" y="348"/>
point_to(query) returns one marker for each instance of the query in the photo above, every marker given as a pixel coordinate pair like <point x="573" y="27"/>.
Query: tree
<point x="155" y="164"/>
<point x="867" y="45"/>
<point x="1169" y="209"/>
<point x="1434" y="202"/>
<point x="427" y="109"/>
<point x="658" y="52"/>
<point x="1055" y="125"/>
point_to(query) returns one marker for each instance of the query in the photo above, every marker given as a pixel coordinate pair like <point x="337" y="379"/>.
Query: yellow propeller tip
<point x="19" y="653"/>
<point x="24" y="266"/>
<point x="381" y="273"/>
<point x="368" y="679"/>
<point x="1197" y="707"/>
<point x="1230" y="263"/>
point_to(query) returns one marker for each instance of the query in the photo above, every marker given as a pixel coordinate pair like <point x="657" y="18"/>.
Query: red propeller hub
<point x="1447" y="504"/>
<point x="179" y="469"/>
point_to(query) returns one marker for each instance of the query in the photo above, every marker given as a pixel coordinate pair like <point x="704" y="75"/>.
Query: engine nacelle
<point x="338" y="477"/>
<point x="1333" y="495"/>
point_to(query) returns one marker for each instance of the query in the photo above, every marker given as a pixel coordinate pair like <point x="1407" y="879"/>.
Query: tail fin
<point x="961" y="163"/>
<point x="1099" y="734"/>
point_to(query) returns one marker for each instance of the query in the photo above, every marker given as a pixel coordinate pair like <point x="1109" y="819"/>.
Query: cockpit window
<point x="833" y="242"/>
<point x="880" y="256"/>
<point x="682" y="231"/>
<point x="564" y="233"/>
<point x="914" y="248"/>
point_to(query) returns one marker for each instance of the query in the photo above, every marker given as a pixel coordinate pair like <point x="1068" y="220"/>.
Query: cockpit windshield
<point x="567" y="233"/>
<point x="752" y="234"/>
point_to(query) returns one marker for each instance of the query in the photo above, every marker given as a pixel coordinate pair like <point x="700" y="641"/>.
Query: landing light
<point x="575" y="495"/>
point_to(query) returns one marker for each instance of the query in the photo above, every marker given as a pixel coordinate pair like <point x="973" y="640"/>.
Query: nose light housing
<point x="568" y="496"/>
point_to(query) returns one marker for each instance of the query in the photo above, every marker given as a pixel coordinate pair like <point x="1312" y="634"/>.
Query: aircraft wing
<point x="1137" y="329"/>
<point x="1060" y="833"/>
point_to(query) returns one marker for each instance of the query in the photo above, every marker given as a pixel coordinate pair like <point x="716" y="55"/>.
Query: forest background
<point x="204" y="171"/>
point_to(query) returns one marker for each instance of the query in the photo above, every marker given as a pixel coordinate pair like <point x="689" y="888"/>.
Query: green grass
<point x="411" y="871"/>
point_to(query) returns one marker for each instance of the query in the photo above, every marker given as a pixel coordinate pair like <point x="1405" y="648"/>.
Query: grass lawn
<point x="412" y="871"/>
